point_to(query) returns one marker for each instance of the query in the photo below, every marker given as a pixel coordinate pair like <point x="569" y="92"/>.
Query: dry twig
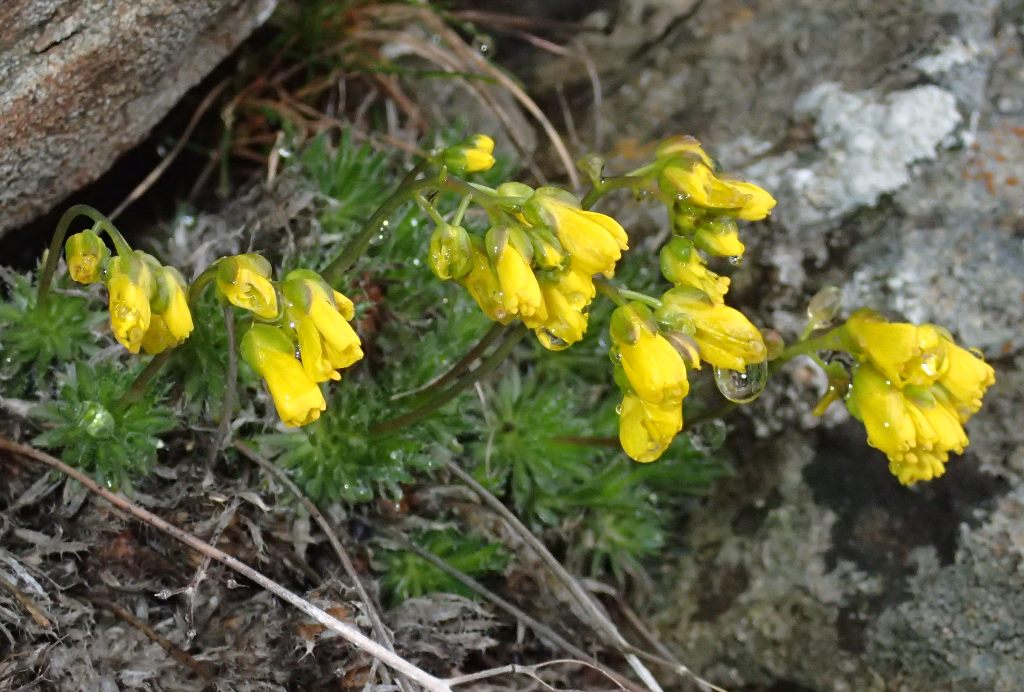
<point x="371" y="607"/>
<point x="593" y="610"/>
<point x="349" y="633"/>
<point x="30" y="607"/>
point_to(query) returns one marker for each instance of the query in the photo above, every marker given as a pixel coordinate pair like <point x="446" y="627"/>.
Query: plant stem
<point x="439" y="399"/>
<point x="621" y="296"/>
<point x="606" y="185"/>
<point x="833" y="340"/>
<point x="57" y="243"/>
<point x="496" y="330"/>
<point x="357" y="246"/>
<point x="138" y="388"/>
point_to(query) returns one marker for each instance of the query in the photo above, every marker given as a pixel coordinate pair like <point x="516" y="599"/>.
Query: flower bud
<point x="451" y="252"/>
<point x="87" y="256"/>
<point x="471" y="156"/>
<point x="824" y="307"/>
<point x="684" y="145"/>
<point x="245" y="281"/>
<point x="719" y="237"/>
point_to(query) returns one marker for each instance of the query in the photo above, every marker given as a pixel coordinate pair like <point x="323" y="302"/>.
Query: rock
<point x="83" y="82"/>
<point x="893" y="137"/>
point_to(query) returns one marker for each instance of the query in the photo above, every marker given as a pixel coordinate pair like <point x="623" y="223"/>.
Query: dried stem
<point x="372" y="610"/>
<point x="192" y="589"/>
<point x="155" y="174"/>
<point x="25" y="602"/>
<point x="542" y="630"/>
<point x="167" y="645"/>
<point x="349" y="633"/>
<point x="230" y="385"/>
<point x="596" y="614"/>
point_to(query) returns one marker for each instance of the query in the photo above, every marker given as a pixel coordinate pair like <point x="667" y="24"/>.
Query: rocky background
<point x="892" y="133"/>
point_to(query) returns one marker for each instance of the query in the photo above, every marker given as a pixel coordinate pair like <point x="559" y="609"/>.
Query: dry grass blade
<point x="332" y="536"/>
<point x="347" y="632"/>
<point x="25" y="602"/>
<point x="173" y="651"/>
<point x="598" y="618"/>
<point x="542" y="630"/>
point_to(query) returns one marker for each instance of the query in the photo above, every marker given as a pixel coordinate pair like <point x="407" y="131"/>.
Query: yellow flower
<point x="965" y="379"/>
<point x="472" y="156"/>
<point x="724" y="335"/>
<point x="646" y="429"/>
<point x="595" y="242"/>
<point x="719" y="237"/>
<point x="451" y="252"/>
<point x="920" y="355"/>
<point x="915" y="427"/>
<point x="697" y="183"/>
<point x="547" y="251"/>
<point x="327" y="342"/>
<point x="683" y="266"/>
<point x="86" y="254"/>
<point x="654" y="368"/>
<point x="130" y="284"/>
<point x="245" y="281"/>
<point x="171" y="321"/>
<point x="482" y="284"/>
<point x="759" y="203"/>
<point x="519" y="292"/>
<point x="565" y="323"/>
<point x="271" y="354"/>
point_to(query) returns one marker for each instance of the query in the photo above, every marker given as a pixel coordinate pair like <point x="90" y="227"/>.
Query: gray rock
<point x="83" y="82"/>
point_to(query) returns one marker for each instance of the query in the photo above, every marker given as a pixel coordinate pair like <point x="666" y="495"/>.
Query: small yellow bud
<point x="654" y="368"/>
<point x="719" y="237"/>
<point x="451" y="252"/>
<point x="647" y="429"/>
<point x="696" y="184"/>
<point x="327" y="342"/>
<point x="171" y="321"/>
<point x="759" y="202"/>
<point x="270" y="352"/>
<point x="725" y="336"/>
<point x="86" y="256"/>
<point x="594" y="241"/>
<point x="482" y="284"/>
<point x="510" y="253"/>
<point x="130" y="285"/>
<point x="684" y="145"/>
<point x="245" y="281"/>
<point x="471" y="156"/>
<point x="683" y="266"/>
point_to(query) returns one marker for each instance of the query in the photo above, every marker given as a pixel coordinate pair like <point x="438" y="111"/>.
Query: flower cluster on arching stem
<point x="541" y="259"/>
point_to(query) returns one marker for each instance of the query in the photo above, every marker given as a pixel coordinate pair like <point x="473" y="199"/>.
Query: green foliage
<point x="335" y="458"/>
<point x="33" y="338"/>
<point x="542" y="438"/>
<point x="407" y="575"/>
<point x="355" y="179"/>
<point x="98" y="433"/>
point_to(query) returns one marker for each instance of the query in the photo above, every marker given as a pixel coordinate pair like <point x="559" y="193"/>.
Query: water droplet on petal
<point x="742" y="387"/>
<point x="618" y="409"/>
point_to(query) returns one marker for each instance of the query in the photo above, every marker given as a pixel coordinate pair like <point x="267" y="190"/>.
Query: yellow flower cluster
<point x="692" y="322"/>
<point x="148" y="301"/>
<point x="536" y="265"/>
<point x="308" y="339"/>
<point x="652" y="375"/>
<point x="913" y="388"/>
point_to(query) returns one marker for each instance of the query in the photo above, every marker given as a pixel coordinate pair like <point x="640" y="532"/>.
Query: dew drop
<point x="618" y="409"/>
<point x="742" y="387"/>
<point x="484" y="44"/>
<point x="736" y="260"/>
